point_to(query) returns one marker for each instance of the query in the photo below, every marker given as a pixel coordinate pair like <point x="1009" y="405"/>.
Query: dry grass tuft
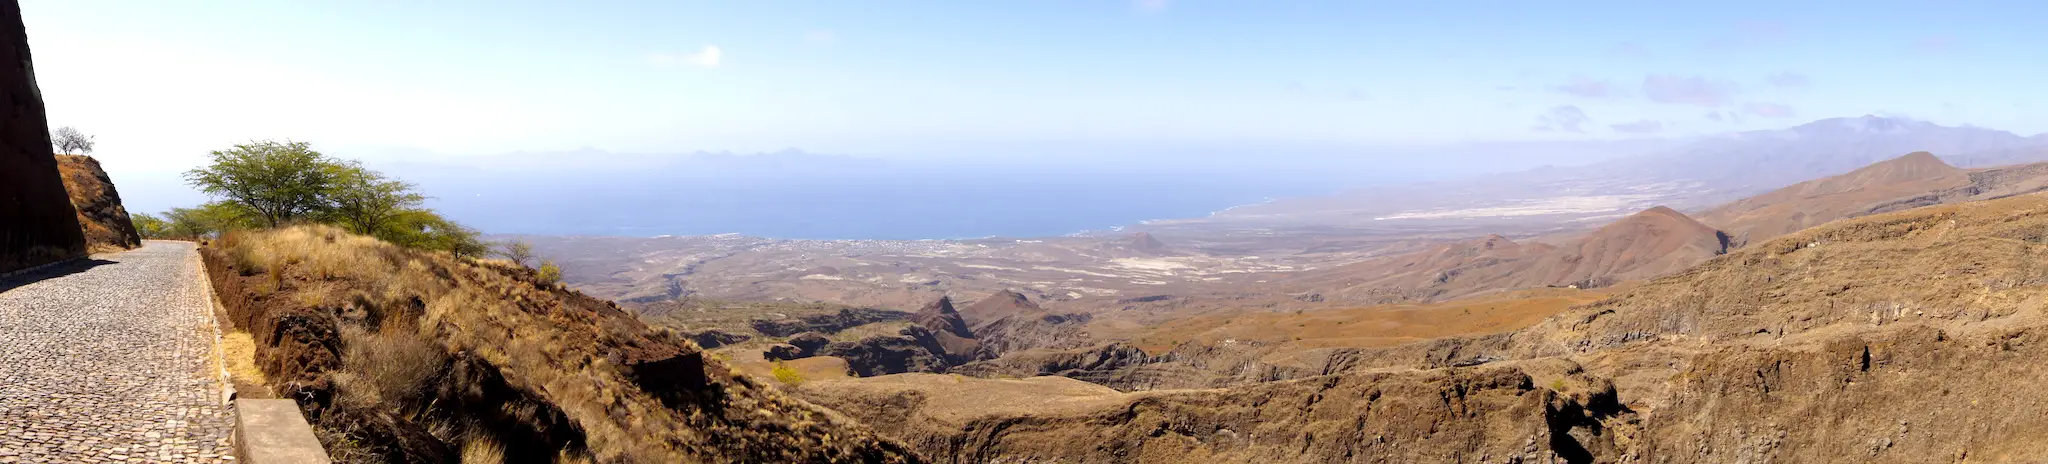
<point x="483" y="450"/>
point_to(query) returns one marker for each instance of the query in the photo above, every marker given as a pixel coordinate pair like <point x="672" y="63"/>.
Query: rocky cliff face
<point x="37" y="222"/>
<point x="100" y="214"/>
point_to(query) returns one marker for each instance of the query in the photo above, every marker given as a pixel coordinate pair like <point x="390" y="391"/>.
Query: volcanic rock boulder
<point x="37" y="223"/>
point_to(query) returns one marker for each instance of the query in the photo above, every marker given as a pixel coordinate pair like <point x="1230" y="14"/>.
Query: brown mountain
<point x="1818" y="201"/>
<point x="1645" y="244"/>
<point x="1144" y="241"/>
<point x="1009" y="322"/>
<point x="951" y="331"/>
<point x="998" y="305"/>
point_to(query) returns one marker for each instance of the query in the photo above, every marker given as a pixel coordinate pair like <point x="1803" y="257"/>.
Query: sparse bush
<point x="389" y="365"/>
<point x="519" y="251"/>
<point x="150" y="226"/>
<point x="787" y="375"/>
<point x="549" y="273"/>
<point x="70" y="141"/>
<point x="1557" y="384"/>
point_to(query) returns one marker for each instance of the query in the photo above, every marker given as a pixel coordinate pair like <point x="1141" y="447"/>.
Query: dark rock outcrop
<point x="713" y="338"/>
<point x="37" y="223"/>
<point x="827" y="323"/>
<point x="782" y="352"/>
<point x="803" y="345"/>
<point x="809" y="343"/>
<point x="912" y="350"/>
<point x="101" y="217"/>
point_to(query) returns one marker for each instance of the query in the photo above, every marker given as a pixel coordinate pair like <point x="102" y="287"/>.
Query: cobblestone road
<point x="112" y="363"/>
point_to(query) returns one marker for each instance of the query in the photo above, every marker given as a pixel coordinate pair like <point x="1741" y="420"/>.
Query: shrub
<point x="549" y="273"/>
<point x="787" y="375"/>
<point x="389" y="365"/>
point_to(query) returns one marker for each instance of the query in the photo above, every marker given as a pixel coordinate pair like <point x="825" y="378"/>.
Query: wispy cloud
<point x="1768" y="110"/>
<point x="1589" y="88"/>
<point x="1565" y="118"/>
<point x="709" y="57"/>
<point x="1714" y="116"/>
<point x="1645" y="126"/>
<point x="1787" y="79"/>
<point x="1356" y="95"/>
<point x="1151" y="6"/>
<point x="1694" y="90"/>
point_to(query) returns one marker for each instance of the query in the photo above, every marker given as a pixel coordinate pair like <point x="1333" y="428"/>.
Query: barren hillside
<point x="1898" y="337"/>
<point x="400" y="355"/>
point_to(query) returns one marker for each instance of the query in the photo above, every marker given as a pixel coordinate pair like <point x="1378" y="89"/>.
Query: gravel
<point x="112" y="363"/>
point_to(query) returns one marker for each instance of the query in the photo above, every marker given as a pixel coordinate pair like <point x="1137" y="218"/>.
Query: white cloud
<point x="821" y="36"/>
<point x="709" y="57"/>
<point x="1151" y="5"/>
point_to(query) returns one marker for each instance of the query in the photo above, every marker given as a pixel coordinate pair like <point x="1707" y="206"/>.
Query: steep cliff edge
<point x="399" y="355"/>
<point x="100" y="214"/>
<point x="37" y="223"/>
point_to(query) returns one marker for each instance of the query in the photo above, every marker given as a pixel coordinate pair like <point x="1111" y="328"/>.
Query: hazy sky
<point x="162" y="82"/>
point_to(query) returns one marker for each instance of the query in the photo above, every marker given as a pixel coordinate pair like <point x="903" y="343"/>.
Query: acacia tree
<point x="70" y="141"/>
<point x="519" y="251"/>
<point x="279" y="181"/>
<point x="366" y="202"/>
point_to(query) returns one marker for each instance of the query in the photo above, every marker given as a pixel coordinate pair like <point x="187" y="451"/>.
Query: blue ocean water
<point x="920" y="207"/>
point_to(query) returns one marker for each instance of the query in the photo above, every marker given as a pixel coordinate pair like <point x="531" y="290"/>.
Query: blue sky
<point x="160" y="83"/>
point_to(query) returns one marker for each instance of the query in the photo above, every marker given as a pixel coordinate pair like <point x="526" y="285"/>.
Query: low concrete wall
<point x="274" y="432"/>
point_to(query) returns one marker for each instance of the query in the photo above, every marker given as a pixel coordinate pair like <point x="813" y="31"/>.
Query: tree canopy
<point x="269" y="184"/>
<point x="279" y="181"/>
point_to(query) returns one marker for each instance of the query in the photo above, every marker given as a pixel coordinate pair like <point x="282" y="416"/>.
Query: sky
<point x="161" y="83"/>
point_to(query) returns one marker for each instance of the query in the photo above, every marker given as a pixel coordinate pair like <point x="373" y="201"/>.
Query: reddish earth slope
<point x="1818" y="201"/>
<point x="1646" y="244"/>
<point x="100" y="214"/>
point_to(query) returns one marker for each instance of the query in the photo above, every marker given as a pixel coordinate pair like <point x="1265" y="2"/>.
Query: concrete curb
<point x="38" y="268"/>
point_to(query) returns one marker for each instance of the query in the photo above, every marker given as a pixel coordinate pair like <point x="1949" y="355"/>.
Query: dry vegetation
<point x="403" y="355"/>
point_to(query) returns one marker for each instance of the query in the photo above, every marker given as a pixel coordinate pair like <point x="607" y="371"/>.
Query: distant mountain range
<point x="1698" y="174"/>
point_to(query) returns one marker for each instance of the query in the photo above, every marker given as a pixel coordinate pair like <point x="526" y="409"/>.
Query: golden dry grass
<point x="239" y="351"/>
<point x="1371" y="326"/>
